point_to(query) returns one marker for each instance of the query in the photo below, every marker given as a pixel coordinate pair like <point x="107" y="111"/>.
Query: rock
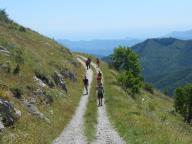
<point x="17" y="113"/>
<point x="34" y="110"/>
<point x="7" y="113"/>
<point x="40" y="82"/>
<point x="4" y="50"/>
<point x="1" y="124"/>
<point x="68" y="74"/>
<point x="5" y="67"/>
<point x="46" y="98"/>
<point x="59" y="80"/>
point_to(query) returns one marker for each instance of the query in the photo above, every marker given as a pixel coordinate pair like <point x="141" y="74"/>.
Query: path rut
<point x="105" y="133"/>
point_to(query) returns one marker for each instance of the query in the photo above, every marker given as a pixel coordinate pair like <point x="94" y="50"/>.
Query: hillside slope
<point x="166" y="62"/>
<point x="148" y="118"/>
<point x="37" y="80"/>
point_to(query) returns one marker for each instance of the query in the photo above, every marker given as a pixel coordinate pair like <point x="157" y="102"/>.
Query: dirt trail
<point x="73" y="133"/>
<point x="105" y="133"/>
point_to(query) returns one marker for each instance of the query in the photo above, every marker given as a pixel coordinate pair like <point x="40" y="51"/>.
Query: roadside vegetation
<point x="90" y="117"/>
<point x="149" y="117"/>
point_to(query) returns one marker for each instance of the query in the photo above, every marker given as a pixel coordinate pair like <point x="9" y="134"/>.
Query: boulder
<point x="7" y="113"/>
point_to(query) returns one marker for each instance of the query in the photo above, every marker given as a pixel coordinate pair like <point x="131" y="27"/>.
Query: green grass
<point x="148" y="119"/>
<point x="35" y="52"/>
<point x="90" y="117"/>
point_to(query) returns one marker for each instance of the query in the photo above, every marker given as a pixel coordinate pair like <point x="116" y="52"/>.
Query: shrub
<point x="22" y="29"/>
<point x="126" y="62"/>
<point x="148" y="87"/>
<point x="17" y="92"/>
<point x="128" y="81"/>
<point x="4" y="95"/>
<point x="4" y="16"/>
<point x="17" y="69"/>
<point x="183" y="102"/>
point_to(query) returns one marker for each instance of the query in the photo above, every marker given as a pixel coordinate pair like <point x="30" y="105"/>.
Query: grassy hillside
<point x="148" y="118"/>
<point x="165" y="61"/>
<point x="24" y="55"/>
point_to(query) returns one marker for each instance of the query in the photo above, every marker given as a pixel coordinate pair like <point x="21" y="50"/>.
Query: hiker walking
<point x="98" y="62"/>
<point x="87" y="64"/>
<point x="89" y="61"/>
<point x="99" y="78"/>
<point x="86" y="83"/>
<point x="100" y="93"/>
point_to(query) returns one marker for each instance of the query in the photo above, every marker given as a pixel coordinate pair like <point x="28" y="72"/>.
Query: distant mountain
<point x="167" y="62"/>
<point x="184" y="35"/>
<point x="97" y="47"/>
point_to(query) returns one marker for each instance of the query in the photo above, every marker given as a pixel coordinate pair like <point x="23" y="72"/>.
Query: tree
<point x="183" y="102"/>
<point x="3" y="16"/>
<point x="126" y="61"/>
<point x="128" y="81"/>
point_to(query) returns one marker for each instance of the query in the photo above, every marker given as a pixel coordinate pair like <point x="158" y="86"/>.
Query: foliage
<point x="17" y="69"/>
<point x="183" y="102"/>
<point x="22" y="29"/>
<point x="128" y="81"/>
<point x="4" y="16"/>
<point x="124" y="58"/>
<point x="148" y="87"/>
<point x="166" y="62"/>
<point x="17" y="92"/>
<point x="126" y="61"/>
<point x="145" y="120"/>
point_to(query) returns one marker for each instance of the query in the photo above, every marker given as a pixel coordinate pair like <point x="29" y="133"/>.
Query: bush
<point x="183" y="102"/>
<point x="17" y="92"/>
<point x="148" y="87"/>
<point x="4" y="16"/>
<point x="17" y="69"/>
<point x="128" y="81"/>
<point x="126" y="62"/>
<point x="22" y="29"/>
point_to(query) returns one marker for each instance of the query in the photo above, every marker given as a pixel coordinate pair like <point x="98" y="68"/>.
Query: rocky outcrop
<point x="1" y="125"/>
<point x="44" y="79"/>
<point x="34" y="110"/>
<point x="70" y="75"/>
<point x="4" y="50"/>
<point x="45" y="98"/>
<point x="59" y="80"/>
<point x="8" y="113"/>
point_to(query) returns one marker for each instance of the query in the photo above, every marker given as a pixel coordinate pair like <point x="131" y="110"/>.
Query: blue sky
<point x="101" y="19"/>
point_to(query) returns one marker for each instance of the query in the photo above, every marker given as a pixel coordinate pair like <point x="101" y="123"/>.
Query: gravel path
<point x="73" y="133"/>
<point x="105" y="133"/>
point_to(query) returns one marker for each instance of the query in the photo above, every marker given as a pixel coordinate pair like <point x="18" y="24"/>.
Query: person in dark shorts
<point x="100" y="93"/>
<point x="86" y="83"/>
